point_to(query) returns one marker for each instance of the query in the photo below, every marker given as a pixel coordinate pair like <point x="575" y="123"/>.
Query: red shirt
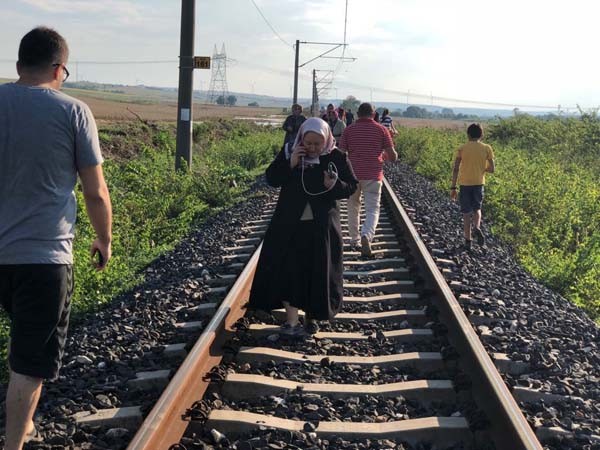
<point x="365" y="141"/>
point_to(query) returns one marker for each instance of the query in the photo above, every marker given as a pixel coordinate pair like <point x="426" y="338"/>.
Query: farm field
<point x="129" y="101"/>
<point x="110" y="110"/>
<point x="113" y="108"/>
<point x="126" y="102"/>
<point x="430" y="123"/>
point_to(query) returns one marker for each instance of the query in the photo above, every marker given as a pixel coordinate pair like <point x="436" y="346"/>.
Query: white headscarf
<point x="314" y="125"/>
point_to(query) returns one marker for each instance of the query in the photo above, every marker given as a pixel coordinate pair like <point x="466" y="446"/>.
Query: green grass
<point x="543" y="200"/>
<point x="154" y="206"/>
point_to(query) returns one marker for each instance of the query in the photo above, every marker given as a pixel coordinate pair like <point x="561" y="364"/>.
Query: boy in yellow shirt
<point x="472" y="161"/>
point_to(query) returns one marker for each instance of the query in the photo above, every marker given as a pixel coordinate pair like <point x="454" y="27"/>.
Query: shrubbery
<point x="544" y="198"/>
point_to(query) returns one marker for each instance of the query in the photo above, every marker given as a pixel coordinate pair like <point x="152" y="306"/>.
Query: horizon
<point x="285" y="102"/>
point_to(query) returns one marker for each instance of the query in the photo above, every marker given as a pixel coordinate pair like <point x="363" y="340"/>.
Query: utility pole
<point x="297" y="64"/>
<point x="296" y="72"/>
<point x="314" y="95"/>
<point x="183" y="151"/>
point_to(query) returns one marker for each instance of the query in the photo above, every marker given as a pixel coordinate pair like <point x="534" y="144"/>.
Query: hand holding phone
<point x="298" y="153"/>
<point x="100" y="253"/>
<point x="330" y="176"/>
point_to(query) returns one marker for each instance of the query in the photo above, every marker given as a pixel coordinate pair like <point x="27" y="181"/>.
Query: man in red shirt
<point x="368" y="144"/>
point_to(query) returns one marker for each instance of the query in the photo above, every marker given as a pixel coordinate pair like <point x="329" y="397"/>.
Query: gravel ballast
<point x="557" y="339"/>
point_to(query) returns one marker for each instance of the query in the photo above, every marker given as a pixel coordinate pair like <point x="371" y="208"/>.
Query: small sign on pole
<point x="201" y="62"/>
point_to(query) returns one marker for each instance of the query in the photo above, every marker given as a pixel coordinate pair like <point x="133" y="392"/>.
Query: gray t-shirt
<point x="45" y="138"/>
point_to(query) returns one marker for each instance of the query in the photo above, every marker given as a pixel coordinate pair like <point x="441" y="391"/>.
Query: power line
<point x="450" y="99"/>
<point x="280" y="72"/>
<point x="428" y="97"/>
<point x="113" y="62"/>
<point x="286" y="73"/>
<point x="271" y="26"/>
<point x="116" y="63"/>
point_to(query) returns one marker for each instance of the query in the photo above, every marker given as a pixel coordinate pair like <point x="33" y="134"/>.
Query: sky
<point x="512" y="52"/>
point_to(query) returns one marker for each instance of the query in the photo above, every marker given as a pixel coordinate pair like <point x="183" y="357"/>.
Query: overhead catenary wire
<point x="428" y="97"/>
<point x="281" y="72"/>
<point x="345" y="47"/>
<point x="271" y="26"/>
<point x="345" y="41"/>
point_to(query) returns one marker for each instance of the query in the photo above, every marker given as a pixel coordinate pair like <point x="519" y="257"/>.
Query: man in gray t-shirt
<point x="47" y="140"/>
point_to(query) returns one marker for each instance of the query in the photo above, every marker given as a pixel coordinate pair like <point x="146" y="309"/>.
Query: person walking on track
<point x="336" y="124"/>
<point x="349" y="117"/>
<point x="47" y="139"/>
<point x="386" y="121"/>
<point x="368" y="143"/>
<point x="300" y="265"/>
<point x="292" y="124"/>
<point x="471" y="163"/>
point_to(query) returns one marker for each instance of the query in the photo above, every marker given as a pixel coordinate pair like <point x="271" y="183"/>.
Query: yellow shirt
<point x="474" y="157"/>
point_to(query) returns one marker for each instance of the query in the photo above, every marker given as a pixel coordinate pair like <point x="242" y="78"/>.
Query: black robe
<point x="324" y="294"/>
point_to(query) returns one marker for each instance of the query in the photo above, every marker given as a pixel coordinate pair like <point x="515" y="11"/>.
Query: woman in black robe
<point x="300" y="265"/>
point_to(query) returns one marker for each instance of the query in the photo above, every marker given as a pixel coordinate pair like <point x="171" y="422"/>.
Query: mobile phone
<point x="100" y="261"/>
<point x="331" y="171"/>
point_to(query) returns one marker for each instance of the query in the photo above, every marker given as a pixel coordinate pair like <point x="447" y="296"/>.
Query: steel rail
<point x="164" y="424"/>
<point x="510" y="429"/>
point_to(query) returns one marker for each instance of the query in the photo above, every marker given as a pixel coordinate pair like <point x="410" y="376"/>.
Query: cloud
<point x="123" y="11"/>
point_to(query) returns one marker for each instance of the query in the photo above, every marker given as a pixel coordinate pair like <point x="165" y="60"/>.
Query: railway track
<point x="401" y="363"/>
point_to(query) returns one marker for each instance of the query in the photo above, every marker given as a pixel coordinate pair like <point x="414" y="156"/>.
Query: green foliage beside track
<point x="544" y="198"/>
<point x="154" y="206"/>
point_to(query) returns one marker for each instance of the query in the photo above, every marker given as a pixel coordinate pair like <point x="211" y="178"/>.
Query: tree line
<point x="417" y="112"/>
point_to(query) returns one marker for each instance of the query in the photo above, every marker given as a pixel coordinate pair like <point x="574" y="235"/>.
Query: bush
<point x="543" y="199"/>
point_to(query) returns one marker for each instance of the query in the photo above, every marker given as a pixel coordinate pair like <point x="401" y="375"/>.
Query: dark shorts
<point x="37" y="298"/>
<point x="471" y="198"/>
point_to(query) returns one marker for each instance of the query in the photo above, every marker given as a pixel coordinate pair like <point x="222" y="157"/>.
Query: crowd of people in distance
<point x="337" y="118"/>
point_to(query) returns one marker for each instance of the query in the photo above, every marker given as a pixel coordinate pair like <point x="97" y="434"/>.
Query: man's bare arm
<point x="390" y="154"/>
<point x="491" y="166"/>
<point x="99" y="209"/>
